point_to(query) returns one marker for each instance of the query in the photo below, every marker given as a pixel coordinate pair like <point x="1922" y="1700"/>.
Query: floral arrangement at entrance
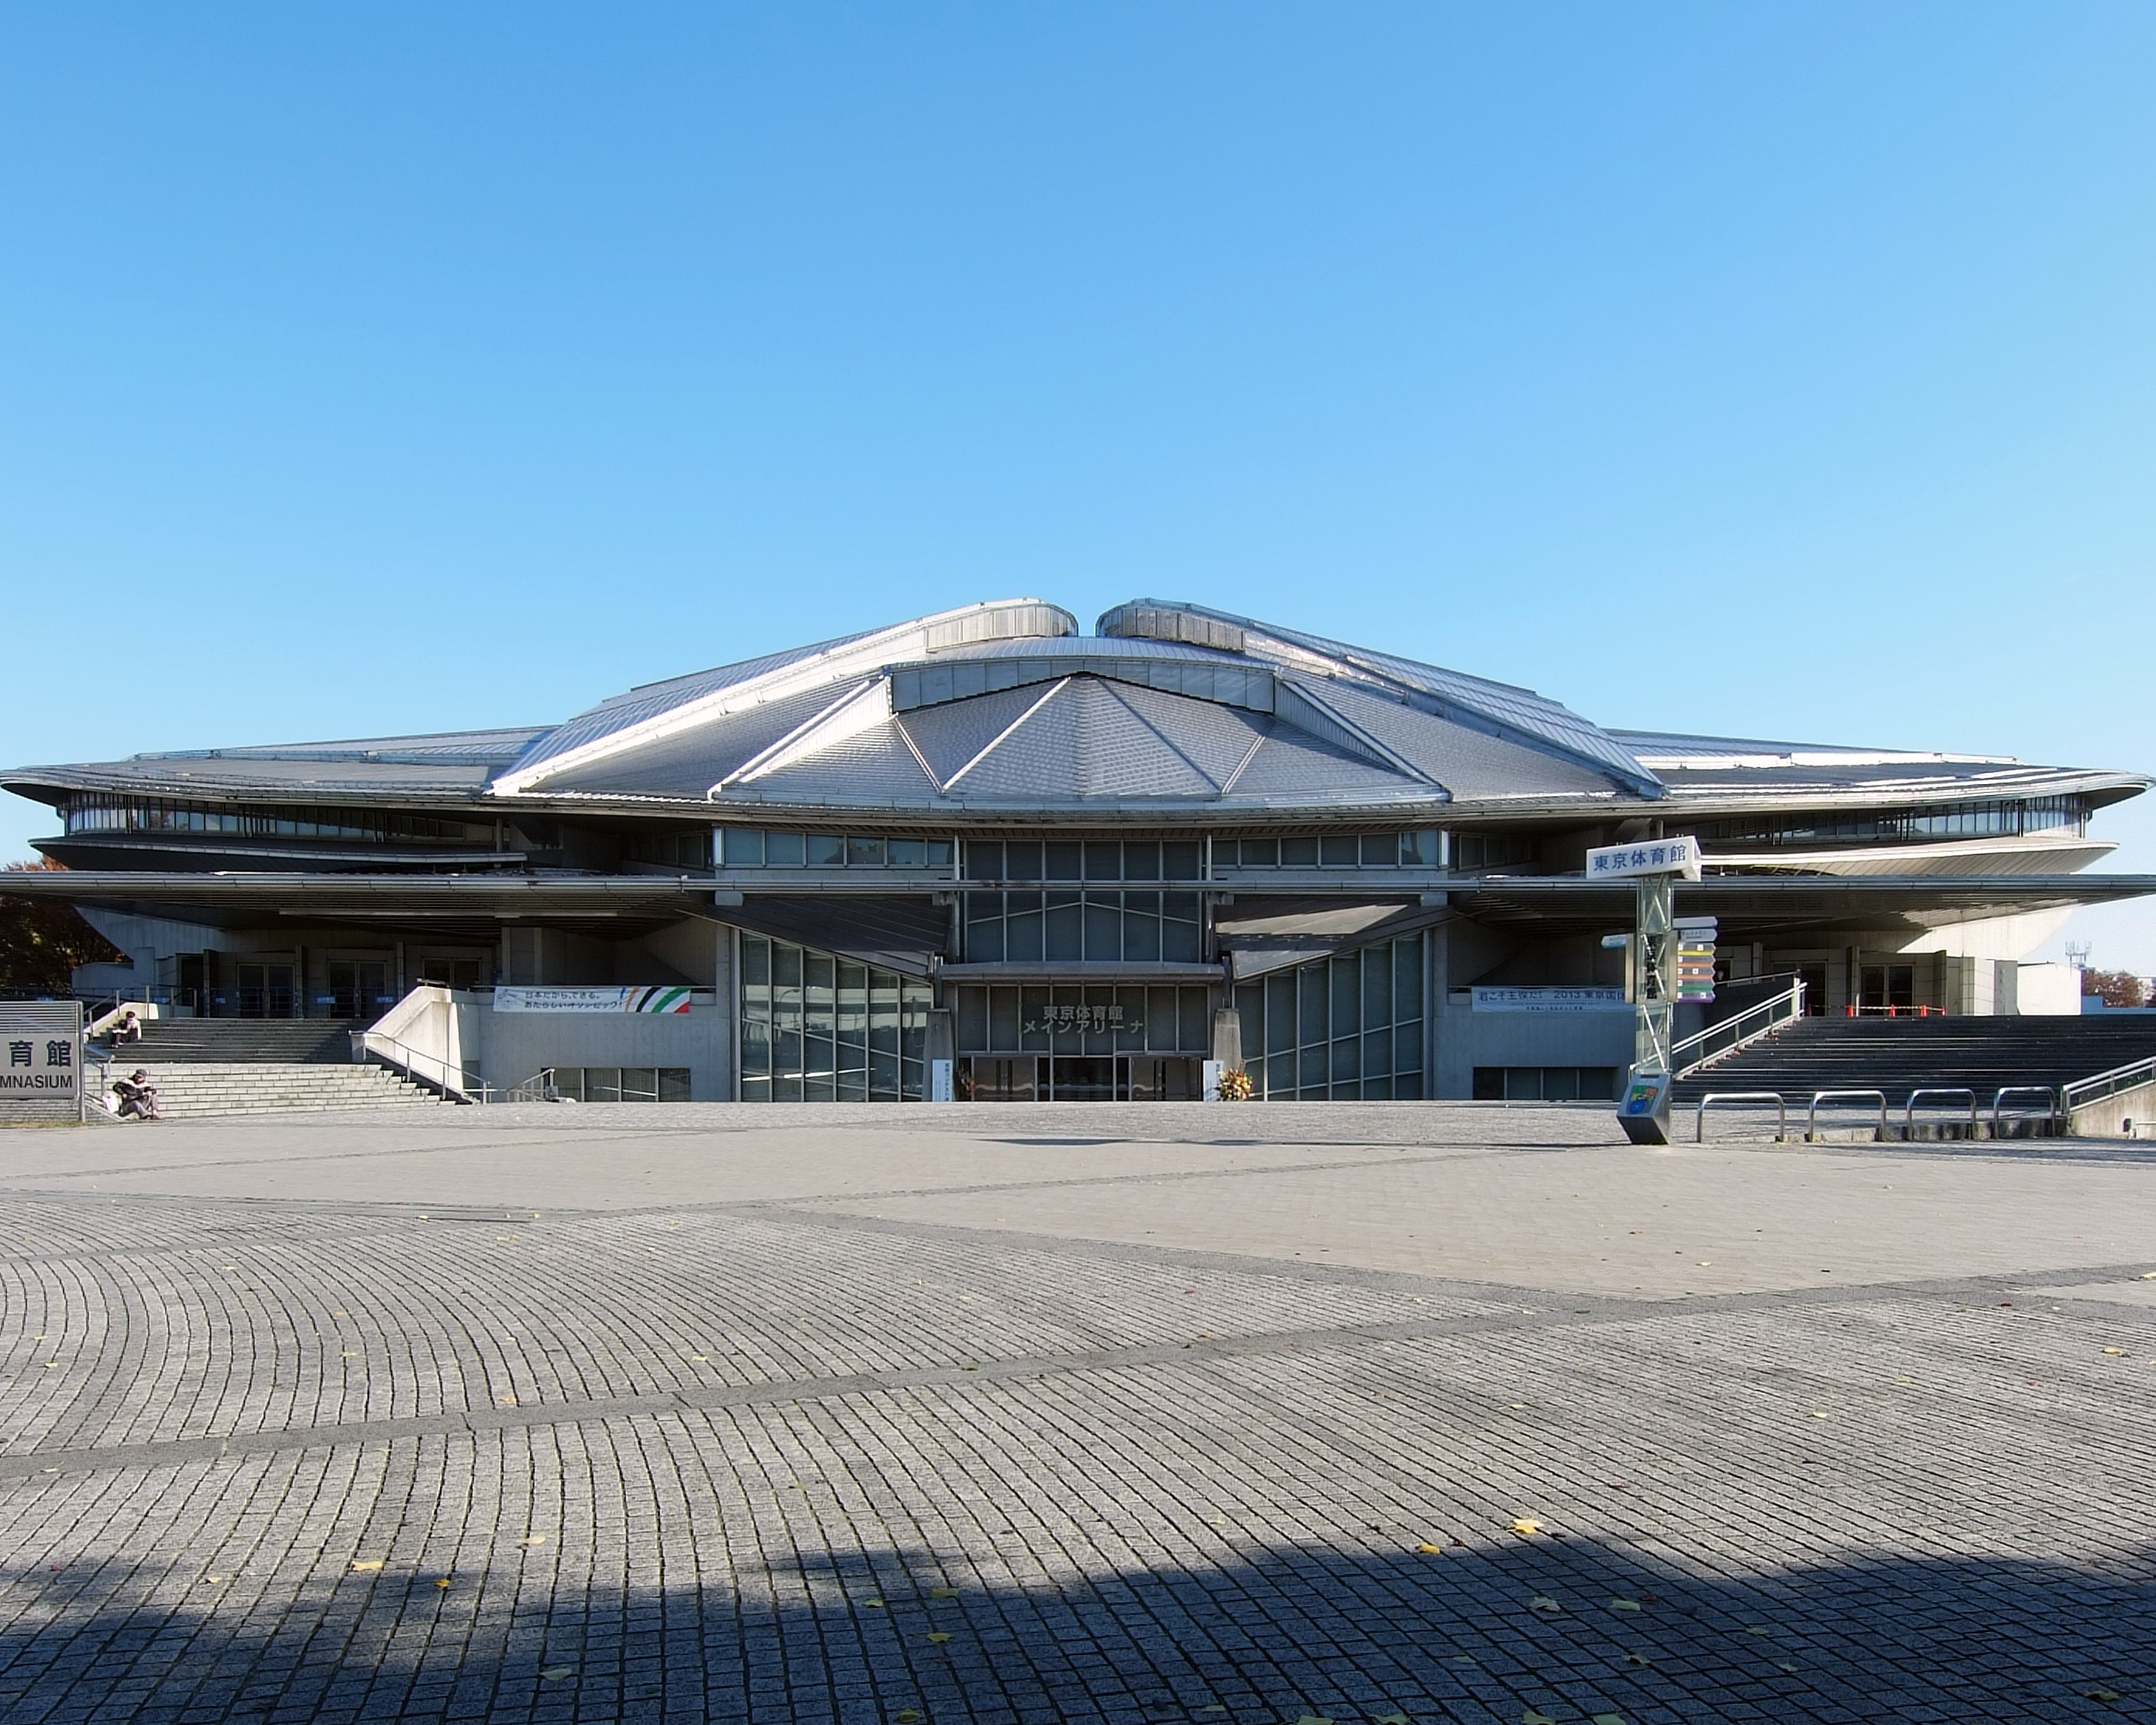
<point x="1235" y="1086"/>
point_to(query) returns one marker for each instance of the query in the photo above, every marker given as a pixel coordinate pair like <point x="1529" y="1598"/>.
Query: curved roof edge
<point x="1499" y="710"/>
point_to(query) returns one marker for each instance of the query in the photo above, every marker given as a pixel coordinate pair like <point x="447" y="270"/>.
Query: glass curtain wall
<point x="1347" y="1027"/>
<point x="816" y="1028"/>
<point x="1085" y="926"/>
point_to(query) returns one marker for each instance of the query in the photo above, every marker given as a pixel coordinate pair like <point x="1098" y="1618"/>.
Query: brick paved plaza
<point x="1267" y="1413"/>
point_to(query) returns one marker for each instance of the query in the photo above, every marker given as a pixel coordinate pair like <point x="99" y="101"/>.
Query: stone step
<point x="189" y="1090"/>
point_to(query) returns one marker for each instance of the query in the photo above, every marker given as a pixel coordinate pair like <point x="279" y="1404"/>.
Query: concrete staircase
<point x="1898" y="1055"/>
<point x="238" y="1041"/>
<point x="186" y="1089"/>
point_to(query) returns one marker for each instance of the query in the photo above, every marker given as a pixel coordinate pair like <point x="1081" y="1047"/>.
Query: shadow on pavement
<point x="1532" y="1629"/>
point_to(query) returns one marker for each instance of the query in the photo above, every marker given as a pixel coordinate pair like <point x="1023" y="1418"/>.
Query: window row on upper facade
<point x="94" y="813"/>
<point x="1999" y="819"/>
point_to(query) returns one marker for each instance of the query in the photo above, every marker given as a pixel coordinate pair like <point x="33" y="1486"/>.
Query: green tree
<point x="42" y="941"/>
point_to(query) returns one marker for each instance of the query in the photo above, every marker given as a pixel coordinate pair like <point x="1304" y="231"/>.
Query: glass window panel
<point x="883" y="1075"/>
<point x="1104" y="928"/>
<point x="825" y="850"/>
<point x="1378" y="1053"/>
<point x="984" y="928"/>
<point x="909" y="853"/>
<point x="1250" y="1008"/>
<point x="864" y="853"/>
<point x="1347" y="995"/>
<point x="756" y="959"/>
<point x="742" y="847"/>
<point x="1131" y="1026"/>
<point x="1141" y="859"/>
<point x="1313" y="980"/>
<point x="853" y="1006"/>
<point x="1104" y="861"/>
<point x="1141" y="927"/>
<point x="853" y="1085"/>
<point x="1023" y="934"/>
<point x="602" y="1084"/>
<point x="984" y="860"/>
<point x="639" y="1083"/>
<point x="1064" y="860"/>
<point x="1226" y="855"/>
<point x="1162" y="1033"/>
<point x="939" y="852"/>
<point x="1377" y="987"/>
<point x="972" y="1019"/>
<point x="1407" y="976"/>
<point x="883" y="1011"/>
<point x="1003" y="1020"/>
<point x="1348" y="1060"/>
<point x="1180" y="861"/>
<point x="785" y="850"/>
<point x="1022" y="860"/>
<point x="1561" y="1084"/>
<point x="1195" y="1029"/>
<point x="1065" y="930"/>
<point x="1034" y="1003"/>
<point x="1261" y="853"/>
<point x="1336" y="852"/>
<point x="673" y="1084"/>
<point x="1381" y="850"/>
<point x="1298" y="853"/>
<point x="1096" y="1002"/>
<point x="1181" y="943"/>
<point x="1280" y="1012"/>
<point x="1377" y="1088"/>
<point x="1311" y="1071"/>
<point x="754" y="1048"/>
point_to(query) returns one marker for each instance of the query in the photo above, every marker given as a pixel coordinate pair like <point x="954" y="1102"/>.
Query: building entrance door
<point x="263" y="990"/>
<point x="1889" y="988"/>
<point x="1081" y="1043"/>
<point x="1081" y="1078"/>
<point x="359" y="987"/>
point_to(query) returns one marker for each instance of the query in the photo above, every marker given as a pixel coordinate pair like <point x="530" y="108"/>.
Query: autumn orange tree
<point x="2116" y="987"/>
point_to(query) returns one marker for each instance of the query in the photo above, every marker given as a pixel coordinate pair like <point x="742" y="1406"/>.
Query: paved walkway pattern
<point x="1384" y="1413"/>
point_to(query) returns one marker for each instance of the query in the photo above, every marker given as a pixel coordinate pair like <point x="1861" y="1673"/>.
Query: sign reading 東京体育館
<point x="1650" y="856"/>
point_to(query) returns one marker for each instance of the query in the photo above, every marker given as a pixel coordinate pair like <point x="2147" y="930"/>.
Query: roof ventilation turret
<point x="1150" y="620"/>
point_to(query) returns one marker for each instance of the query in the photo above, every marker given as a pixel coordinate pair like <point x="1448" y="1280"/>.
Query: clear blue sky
<point x="1777" y="371"/>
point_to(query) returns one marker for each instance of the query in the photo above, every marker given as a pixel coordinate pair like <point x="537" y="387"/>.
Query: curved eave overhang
<point x="940" y="814"/>
<point x="1791" y="905"/>
<point x="1689" y="800"/>
<point x="458" y="787"/>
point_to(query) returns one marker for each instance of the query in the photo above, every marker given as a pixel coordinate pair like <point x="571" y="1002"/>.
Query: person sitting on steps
<point x="138" y="1096"/>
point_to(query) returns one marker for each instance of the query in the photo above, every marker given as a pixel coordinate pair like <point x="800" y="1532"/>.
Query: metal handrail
<point x="1792" y="998"/>
<point x="1781" y="1111"/>
<point x="2051" y="1107"/>
<point x="466" y="1084"/>
<point x="1909" y="1111"/>
<point x="1811" y="1119"/>
<point x="539" y="1087"/>
<point x="2084" y="1091"/>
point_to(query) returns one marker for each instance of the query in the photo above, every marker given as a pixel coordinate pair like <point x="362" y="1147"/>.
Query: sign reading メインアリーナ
<point x="1650" y="856"/>
<point x="666" y="1000"/>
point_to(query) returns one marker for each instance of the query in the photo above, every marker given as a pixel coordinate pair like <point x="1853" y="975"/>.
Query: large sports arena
<point x="1077" y="865"/>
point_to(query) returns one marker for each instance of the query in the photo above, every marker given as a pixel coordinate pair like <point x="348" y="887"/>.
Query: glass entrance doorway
<point x="1043" y="1042"/>
<point x="1889" y="988"/>
<point x="263" y="990"/>
<point x="1081" y="1078"/>
<point x="359" y="987"/>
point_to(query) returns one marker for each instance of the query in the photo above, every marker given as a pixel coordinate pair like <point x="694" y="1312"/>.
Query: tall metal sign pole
<point x="1656" y="866"/>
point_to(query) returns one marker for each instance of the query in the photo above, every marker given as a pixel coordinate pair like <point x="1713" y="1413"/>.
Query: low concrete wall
<point x="514" y="1045"/>
<point x="2132" y="1113"/>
